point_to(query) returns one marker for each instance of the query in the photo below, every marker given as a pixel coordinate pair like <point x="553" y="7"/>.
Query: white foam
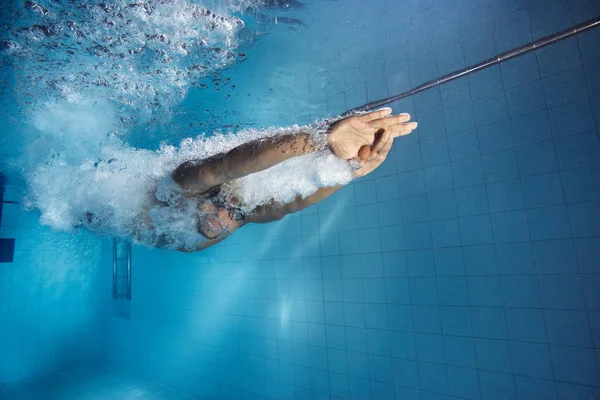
<point x="118" y="186"/>
<point x="91" y="70"/>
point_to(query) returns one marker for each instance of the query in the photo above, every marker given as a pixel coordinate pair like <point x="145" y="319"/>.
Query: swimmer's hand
<point x="349" y="135"/>
<point x="373" y="156"/>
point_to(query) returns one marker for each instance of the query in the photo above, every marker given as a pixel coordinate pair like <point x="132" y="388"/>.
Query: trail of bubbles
<point x="89" y="71"/>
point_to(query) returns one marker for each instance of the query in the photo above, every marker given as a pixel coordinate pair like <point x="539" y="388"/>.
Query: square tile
<point x="582" y="118"/>
<point x="420" y="263"/>
<point x="430" y="348"/>
<point x="366" y="191"/>
<point x="472" y="200"/>
<point x="389" y="213"/>
<point x="497" y="386"/>
<point x="467" y="172"/>
<point x="411" y="183"/>
<point x="354" y="315"/>
<point x="381" y="369"/>
<point x="374" y="290"/>
<point x="397" y="290"/>
<point x="495" y="137"/>
<point x="510" y="226"/>
<point x="442" y="205"/>
<point x="493" y="355"/>
<point x="435" y="151"/>
<point x="392" y="238"/>
<point x="356" y="339"/>
<point x="568" y="327"/>
<point x="460" y="351"/>
<point x="543" y="190"/>
<point x="489" y="322"/>
<point x="459" y="118"/>
<point x="588" y="254"/>
<point x="547" y="223"/>
<point x="369" y="240"/>
<point x="449" y="262"/>
<point x="376" y="316"/>
<point x="464" y="144"/>
<point x="521" y="291"/>
<point x="526" y="325"/>
<point x="453" y="291"/>
<point x="423" y="291"/>
<point x="403" y="345"/>
<point x="395" y="264"/>
<point x="378" y="342"/>
<point x="555" y="256"/>
<point x="433" y="377"/>
<point x="491" y="109"/>
<point x="438" y="178"/>
<point x="578" y="150"/>
<point x="417" y="235"/>
<point x="581" y="184"/>
<point x="463" y="382"/>
<point x="566" y="390"/>
<point x="433" y="125"/>
<point x="585" y="219"/>
<point x="406" y="373"/>
<point x="513" y="30"/>
<point x="484" y="291"/>
<point x="400" y="317"/>
<point x="593" y="77"/>
<point x="531" y="359"/>
<point x="387" y="189"/>
<point x="575" y="365"/>
<point x="592" y="295"/>
<point x="480" y="260"/>
<point x="532" y="388"/>
<point x="536" y="159"/>
<point x="562" y="292"/>
<point x="475" y="230"/>
<point x="565" y="87"/>
<point x="408" y="158"/>
<point x="427" y="319"/>
<point x="414" y="209"/>
<point x="364" y="211"/>
<point x="525" y="99"/>
<point x="445" y="233"/>
<point x="505" y="196"/>
<point x="500" y="166"/>
<point x="456" y="320"/>
<point x="531" y="128"/>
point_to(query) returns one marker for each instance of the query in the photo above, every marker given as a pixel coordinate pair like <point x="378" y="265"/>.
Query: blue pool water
<point x="466" y="267"/>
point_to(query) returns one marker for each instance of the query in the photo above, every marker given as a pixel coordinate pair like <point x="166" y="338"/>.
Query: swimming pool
<point x="466" y="267"/>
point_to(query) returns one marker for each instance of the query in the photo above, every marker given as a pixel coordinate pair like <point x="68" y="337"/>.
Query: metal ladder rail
<point x="117" y="273"/>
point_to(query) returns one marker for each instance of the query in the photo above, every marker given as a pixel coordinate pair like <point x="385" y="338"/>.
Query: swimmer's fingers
<point x="381" y="141"/>
<point x="388" y="122"/>
<point x="403" y="129"/>
<point x="383" y="112"/>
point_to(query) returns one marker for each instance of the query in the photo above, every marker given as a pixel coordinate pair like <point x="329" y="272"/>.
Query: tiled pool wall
<point x="465" y="267"/>
<point x="50" y="296"/>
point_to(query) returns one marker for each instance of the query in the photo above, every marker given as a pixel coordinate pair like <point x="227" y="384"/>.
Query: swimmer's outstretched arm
<point x="346" y="137"/>
<point x="371" y="158"/>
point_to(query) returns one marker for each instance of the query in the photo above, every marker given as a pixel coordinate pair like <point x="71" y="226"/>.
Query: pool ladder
<point x="121" y="269"/>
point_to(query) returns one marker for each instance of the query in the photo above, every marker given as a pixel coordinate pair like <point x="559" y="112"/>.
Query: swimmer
<point x="366" y="138"/>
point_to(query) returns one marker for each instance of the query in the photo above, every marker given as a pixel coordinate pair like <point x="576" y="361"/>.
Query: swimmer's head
<point x="214" y="220"/>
